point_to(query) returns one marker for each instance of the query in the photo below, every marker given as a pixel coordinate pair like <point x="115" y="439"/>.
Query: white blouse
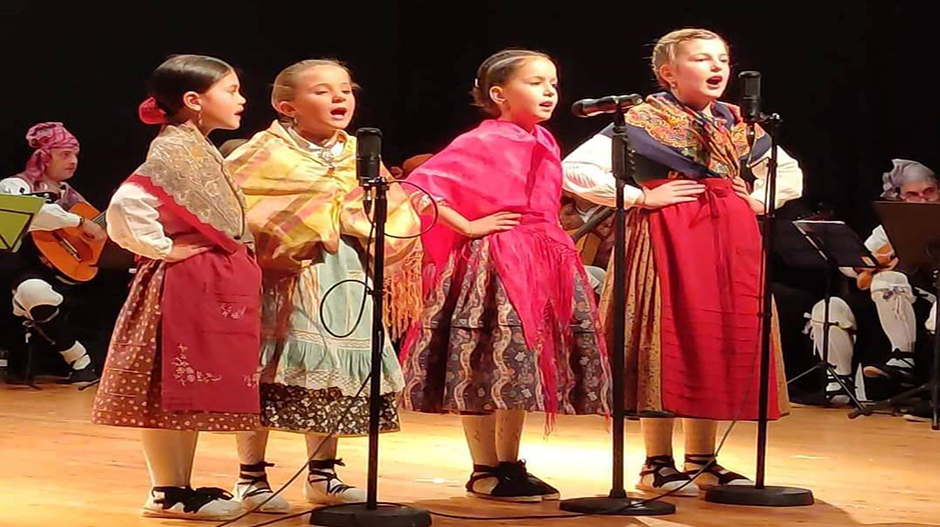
<point x="134" y="223"/>
<point x="589" y="175"/>
<point x="50" y="217"/>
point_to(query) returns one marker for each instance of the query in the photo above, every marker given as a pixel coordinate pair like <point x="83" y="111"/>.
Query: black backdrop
<point x="851" y="79"/>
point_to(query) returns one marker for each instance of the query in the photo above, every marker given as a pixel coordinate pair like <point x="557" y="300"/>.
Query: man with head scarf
<point x="891" y="291"/>
<point x="54" y="160"/>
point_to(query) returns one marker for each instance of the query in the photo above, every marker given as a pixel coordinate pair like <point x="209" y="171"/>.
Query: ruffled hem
<point x="317" y="367"/>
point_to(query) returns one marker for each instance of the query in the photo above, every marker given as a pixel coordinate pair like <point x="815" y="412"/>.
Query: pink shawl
<point x="498" y="167"/>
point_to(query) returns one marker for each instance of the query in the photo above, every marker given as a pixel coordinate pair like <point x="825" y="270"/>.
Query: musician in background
<point x="229" y="146"/>
<point x="594" y="243"/>
<point x="29" y="280"/>
<point x="899" y="305"/>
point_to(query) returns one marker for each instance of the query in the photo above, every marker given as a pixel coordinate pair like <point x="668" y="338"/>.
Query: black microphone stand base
<point x="608" y="506"/>
<point x="764" y="497"/>
<point x="360" y="515"/>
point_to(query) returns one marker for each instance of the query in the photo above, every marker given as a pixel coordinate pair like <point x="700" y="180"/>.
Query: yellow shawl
<point x="299" y="204"/>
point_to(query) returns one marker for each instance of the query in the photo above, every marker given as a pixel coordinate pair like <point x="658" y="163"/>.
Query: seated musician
<point x="899" y="305"/>
<point x="593" y="228"/>
<point x="36" y="289"/>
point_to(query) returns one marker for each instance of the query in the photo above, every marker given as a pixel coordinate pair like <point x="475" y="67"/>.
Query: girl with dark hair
<point x="509" y="323"/>
<point x="184" y="353"/>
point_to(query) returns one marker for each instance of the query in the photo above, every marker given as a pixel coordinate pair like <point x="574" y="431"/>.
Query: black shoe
<point x="547" y="491"/>
<point x="920" y="412"/>
<point x="903" y="373"/>
<point x="836" y="395"/>
<point x="83" y="378"/>
<point x="660" y="475"/>
<point x="512" y="484"/>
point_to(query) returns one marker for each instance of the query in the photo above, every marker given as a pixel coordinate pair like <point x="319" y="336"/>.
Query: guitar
<point x="68" y="250"/>
<point x="886" y="260"/>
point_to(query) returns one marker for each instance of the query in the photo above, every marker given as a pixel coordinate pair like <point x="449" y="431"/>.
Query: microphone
<point x="368" y="154"/>
<point x="609" y="104"/>
<point x="368" y="161"/>
<point x="750" y="99"/>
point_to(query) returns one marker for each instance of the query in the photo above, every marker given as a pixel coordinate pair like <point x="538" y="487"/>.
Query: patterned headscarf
<point x="903" y="172"/>
<point x="44" y="137"/>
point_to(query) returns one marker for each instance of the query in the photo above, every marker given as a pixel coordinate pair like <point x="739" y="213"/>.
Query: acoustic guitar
<point x="886" y="260"/>
<point x="68" y="250"/>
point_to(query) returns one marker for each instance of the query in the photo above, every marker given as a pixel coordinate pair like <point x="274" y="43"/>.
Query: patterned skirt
<point x="311" y="379"/>
<point x="470" y="356"/>
<point x="130" y="389"/>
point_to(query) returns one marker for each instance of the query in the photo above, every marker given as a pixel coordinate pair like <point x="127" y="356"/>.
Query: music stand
<point x="825" y="245"/>
<point x="914" y="232"/>
<point x="16" y="213"/>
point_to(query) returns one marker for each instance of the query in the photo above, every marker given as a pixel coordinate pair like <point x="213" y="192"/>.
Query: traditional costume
<point x="693" y="269"/>
<point x="184" y="353"/>
<point x="693" y="285"/>
<point x="305" y="208"/>
<point x="509" y="321"/>
<point x="26" y="281"/>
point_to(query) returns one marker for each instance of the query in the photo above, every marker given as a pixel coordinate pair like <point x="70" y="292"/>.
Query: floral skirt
<point x="470" y="355"/>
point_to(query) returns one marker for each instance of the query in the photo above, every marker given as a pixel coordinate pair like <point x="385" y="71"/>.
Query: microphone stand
<point x="371" y="513"/>
<point x="760" y="494"/>
<point x="617" y="502"/>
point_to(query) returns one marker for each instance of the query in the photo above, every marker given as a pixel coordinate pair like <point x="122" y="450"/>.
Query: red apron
<point x="708" y="261"/>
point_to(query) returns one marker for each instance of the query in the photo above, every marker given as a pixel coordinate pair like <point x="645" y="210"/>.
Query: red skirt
<point x="693" y="303"/>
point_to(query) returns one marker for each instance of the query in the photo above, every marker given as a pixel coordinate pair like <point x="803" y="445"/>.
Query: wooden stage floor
<point x="60" y="470"/>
